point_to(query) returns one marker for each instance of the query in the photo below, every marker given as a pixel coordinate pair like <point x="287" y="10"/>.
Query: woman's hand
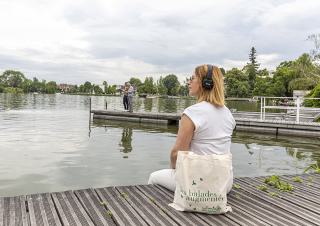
<point x="184" y="137"/>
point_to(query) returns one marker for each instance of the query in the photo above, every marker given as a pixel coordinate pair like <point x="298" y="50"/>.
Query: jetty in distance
<point x="273" y="123"/>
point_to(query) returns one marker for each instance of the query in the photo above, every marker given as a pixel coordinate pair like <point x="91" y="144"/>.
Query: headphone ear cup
<point x="207" y="83"/>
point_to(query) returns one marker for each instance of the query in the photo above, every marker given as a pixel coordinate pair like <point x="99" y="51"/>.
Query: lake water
<point x="47" y="144"/>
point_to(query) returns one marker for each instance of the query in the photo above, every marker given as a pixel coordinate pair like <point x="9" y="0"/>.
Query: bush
<point x="13" y="90"/>
<point x="315" y="93"/>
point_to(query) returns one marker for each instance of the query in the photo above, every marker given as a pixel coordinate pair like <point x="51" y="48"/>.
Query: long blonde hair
<point x="214" y="96"/>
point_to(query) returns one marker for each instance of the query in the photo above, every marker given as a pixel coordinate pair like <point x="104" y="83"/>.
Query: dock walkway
<point x="275" y="126"/>
<point x="148" y="205"/>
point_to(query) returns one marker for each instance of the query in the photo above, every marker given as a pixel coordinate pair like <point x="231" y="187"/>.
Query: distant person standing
<point x="125" y="97"/>
<point x="130" y="97"/>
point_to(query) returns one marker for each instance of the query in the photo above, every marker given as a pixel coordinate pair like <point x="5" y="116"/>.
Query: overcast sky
<point x="74" y="41"/>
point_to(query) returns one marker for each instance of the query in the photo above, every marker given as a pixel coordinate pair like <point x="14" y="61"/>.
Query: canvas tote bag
<point x="202" y="182"/>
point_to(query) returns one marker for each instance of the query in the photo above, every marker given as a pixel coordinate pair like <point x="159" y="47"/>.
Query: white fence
<point x="291" y="104"/>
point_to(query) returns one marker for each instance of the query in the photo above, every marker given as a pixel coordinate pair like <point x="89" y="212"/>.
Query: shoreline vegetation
<point x="302" y="73"/>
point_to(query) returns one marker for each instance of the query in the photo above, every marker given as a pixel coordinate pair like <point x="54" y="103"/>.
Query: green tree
<point x="11" y="78"/>
<point x="112" y="89"/>
<point x="172" y="84"/>
<point x="262" y="86"/>
<point x="135" y="81"/>
<point x="161" y="88"/>
<point x="184" y="90"/>
<point x="306" y="74"/>
<point x="97" y="89"/>
<point x="35" y="85"/>
<point x="149" y="86"/>
<point x="281" y="79"/>
<point x="51" y="87"/>
<point x="223" y="71"/>
<point x="105" y="85"/>
<point x="252" y="68"/>
<point x="236" y="83"/>
<point x="315" y="93"/>
<point x="27" y="86"/>
<point x="87" y="87"/>
<point x="81" y="88"/>
<point x="263" y="73"/>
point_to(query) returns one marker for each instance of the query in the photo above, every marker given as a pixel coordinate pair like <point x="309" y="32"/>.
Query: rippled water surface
<point x="47" y="144"/>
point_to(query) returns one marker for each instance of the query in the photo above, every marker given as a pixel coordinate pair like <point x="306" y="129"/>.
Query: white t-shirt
<point x="213" y="128"/>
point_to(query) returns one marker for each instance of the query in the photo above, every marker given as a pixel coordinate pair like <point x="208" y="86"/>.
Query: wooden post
<point x="298" y="110"/>
<point x="90" y="108"/>
<point x="264" y="108"/>
<point x="89" y="116"/>
<point x="261" y="109"/>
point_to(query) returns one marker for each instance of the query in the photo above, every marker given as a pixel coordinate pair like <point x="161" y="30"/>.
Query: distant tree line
<point x="15" y="82"/>
<point x="302" y="73"/>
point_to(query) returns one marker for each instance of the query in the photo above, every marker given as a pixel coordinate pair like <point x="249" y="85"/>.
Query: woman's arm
<point x="184" y="137"/>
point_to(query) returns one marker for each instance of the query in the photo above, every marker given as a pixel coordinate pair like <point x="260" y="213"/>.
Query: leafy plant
<point x="236" y="186"/>
<point x="297" y="179"/>
<point x="313" y="167"/>
<point x="109" y="213"/>
<point x="262" y="188"/>
<point x="124" y="195"/>
<point x="274" y="194"/>
<point x="275" y="181"/>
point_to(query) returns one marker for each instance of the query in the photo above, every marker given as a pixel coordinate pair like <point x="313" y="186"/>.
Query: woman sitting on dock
<point x="205" y="127"/>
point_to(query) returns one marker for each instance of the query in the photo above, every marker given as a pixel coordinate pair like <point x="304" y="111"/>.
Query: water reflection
<point x="145" y="127"/>
<point x="243" y="105"/>
<point x="44" y="145"/>
<point x="167" y="105"/>
<point x="270" y="154"/>
<point x="126" y="139"/>
<point x="148" y="104"/>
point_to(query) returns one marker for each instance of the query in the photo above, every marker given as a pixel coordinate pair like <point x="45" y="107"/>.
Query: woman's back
<point x="213" y="128"/>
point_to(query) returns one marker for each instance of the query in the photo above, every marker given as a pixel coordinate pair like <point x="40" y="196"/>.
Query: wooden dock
<point x="148" y="205"/>
<point x="277" y="127"/>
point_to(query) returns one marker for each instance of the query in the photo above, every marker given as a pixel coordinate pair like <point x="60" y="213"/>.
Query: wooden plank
<point x="2" y="210"/>
<point x="162" y="201"/>
<point x="120" y="210"/>
<point x="317" y="175"/>
<point x="298" y="187"/>
<point x="264" y="210"/>
<point x="42" y="210"/>
<point x="237" y="215"/>
<point x="309" y="181"/>
<point x="304" y="191"/>
<point x="146" y="209"/>
<point x="297" y="197"/>
<point x="94" y="207"/>
<point x="283" y="203"/>
<point x="13" y="211"/>
<point x="315" y="181"/>
<point x="70" y="210"/>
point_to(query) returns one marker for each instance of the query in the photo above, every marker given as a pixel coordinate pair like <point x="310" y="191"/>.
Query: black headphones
<point x="207" y="82"/>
